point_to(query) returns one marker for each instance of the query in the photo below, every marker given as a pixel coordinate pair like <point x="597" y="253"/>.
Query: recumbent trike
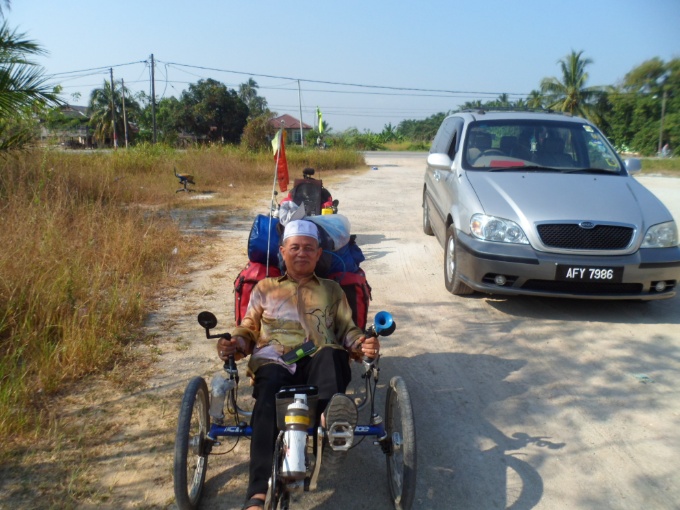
<point x="298" y="450"/>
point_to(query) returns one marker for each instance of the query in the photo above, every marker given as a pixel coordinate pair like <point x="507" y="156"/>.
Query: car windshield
<point x="537" y="145"/>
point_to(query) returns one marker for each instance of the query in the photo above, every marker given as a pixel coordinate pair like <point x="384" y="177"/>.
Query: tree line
<point x="640" y="114"/>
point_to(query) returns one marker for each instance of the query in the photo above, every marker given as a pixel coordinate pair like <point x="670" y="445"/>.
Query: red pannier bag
<point x="244" y="283"/>
<point x="358" y="293"/>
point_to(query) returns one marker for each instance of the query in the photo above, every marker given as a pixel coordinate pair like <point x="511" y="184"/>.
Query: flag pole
<point x="271" y="204"/>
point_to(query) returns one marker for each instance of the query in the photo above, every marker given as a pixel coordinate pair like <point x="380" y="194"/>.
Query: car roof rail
<point x="503" y="109"/>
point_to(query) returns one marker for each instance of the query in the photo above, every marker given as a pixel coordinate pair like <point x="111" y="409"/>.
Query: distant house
<point x="292" y="128"/>
<point x="70" y="128"/>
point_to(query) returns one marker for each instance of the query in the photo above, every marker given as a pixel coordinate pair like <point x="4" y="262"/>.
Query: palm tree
<point x="520" y="104"/>
<point x="503" y="101"/>
<point x="571" y="94"/>
<point x="471" y="105"/>
<point x="247" y="92"/>
<point x="535" y="100"/>
<point x="22" y="86"/>
<point x="100" y="106"/>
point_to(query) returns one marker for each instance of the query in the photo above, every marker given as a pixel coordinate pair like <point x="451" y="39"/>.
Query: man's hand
<point x="225" y="348"/>
<point x="368" y="347"/>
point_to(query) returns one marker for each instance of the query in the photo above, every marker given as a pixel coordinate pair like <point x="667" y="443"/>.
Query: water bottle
<point x="295" y="438"/>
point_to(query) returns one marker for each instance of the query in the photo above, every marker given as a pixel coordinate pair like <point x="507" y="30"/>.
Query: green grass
<point x="87" y="239"/>
<point x="408" y="145"/>
<point x="664" y="166"/>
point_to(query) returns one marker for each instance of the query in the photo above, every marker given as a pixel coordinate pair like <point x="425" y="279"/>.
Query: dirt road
<point x="519" y="402"/>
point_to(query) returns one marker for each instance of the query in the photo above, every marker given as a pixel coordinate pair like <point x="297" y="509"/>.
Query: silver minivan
<point x="541" y="204"/>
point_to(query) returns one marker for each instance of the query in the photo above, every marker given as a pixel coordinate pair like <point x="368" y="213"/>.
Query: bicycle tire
<point x="276" y="498"/>
<point x="191" y="458"/>
<point x="401" y="431"/>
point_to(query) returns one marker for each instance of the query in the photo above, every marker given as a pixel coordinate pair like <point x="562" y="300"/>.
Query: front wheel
<point x="401" y="433"/>
<point x="427" y="225"/>
<point x="451" y="276"/>
<point x="192" y="445"/>
<point x="277" y="497"/>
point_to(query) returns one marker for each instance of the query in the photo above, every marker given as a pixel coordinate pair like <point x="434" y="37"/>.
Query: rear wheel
<point x="192" y="445"/>
<point x="401" y="432"/>
<point x="427" y="226"/>
<point x="451" y="276"/>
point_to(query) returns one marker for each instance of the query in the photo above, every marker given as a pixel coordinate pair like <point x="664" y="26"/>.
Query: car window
<point x="446" y="141"/>
<point x="538" y="144"/>
<point x="599" y="154"/>
<point x="457" y="125"/>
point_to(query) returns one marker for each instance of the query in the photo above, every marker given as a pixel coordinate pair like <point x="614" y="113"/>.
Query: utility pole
<point x="113" y="112"/>
<point x="302" y="138"/>
<point x="122" y="89"/>
<point x="153" y="100"/>
<point x="663" y="112"/>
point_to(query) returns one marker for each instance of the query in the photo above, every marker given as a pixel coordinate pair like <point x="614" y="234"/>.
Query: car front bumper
<point x="530" y="272"/>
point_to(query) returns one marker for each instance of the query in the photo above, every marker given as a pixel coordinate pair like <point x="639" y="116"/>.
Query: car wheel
<point x="427" y="226"/>
<point x="451" y="277"/>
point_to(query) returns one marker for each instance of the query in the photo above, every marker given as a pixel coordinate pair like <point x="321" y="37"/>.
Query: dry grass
<point x="87" y="239"/>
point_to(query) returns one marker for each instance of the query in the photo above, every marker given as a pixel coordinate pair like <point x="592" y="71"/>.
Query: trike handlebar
<point x="383" y="325"/>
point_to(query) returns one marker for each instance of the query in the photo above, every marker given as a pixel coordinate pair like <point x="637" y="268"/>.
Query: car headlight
<point x="490" y="228"/>
<point x="663" y="235"/>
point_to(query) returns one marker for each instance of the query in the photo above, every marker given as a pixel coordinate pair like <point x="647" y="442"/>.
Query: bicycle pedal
<point x="340" y="436"/>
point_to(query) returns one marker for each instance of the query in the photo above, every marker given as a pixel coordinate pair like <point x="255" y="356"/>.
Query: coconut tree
<point x="471" y="105"/>
<point x="247" y="92"/>
<point x="570" y="94"/>
<point x="535" y="100"/>
<point x="100" y="108"/>
<point x="23" y="86"/>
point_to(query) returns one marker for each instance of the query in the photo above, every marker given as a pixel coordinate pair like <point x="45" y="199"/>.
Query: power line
<point x="434" y="93"/>
<point x="103" y="68"/>
<point x="387" y="87"/>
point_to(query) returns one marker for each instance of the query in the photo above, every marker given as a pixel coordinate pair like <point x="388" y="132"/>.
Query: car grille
<point x="583" y="288"/>
<point x="572" y="237"/>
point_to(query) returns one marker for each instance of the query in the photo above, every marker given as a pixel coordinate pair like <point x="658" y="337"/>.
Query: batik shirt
<point x="283" y="314"/>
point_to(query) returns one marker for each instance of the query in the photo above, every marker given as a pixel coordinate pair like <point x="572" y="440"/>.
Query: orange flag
<point x="280" y="157"/>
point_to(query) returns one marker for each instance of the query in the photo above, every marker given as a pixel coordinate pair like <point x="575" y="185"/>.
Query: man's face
<point x="300" y="253"/>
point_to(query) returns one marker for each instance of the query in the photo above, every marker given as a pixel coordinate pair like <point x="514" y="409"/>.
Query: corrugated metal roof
<point x="288" y="122"/>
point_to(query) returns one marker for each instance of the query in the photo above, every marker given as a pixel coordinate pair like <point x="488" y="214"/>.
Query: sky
<point x="363" y="63"/>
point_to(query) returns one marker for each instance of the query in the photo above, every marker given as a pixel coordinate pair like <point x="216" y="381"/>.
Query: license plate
<point x="589" y="274"/>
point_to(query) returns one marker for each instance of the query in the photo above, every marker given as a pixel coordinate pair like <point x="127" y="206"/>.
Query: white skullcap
<point x="300" y="228"/>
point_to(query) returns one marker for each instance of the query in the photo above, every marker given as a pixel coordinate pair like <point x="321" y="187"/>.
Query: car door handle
<point x="437" y="175"/>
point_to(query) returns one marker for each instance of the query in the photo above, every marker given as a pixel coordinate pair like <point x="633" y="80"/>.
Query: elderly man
<point x="284" y="313"/>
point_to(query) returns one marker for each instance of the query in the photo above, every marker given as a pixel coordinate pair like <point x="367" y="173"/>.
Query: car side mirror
<point x="439" y="161"/>
<point x="633" y="165"/>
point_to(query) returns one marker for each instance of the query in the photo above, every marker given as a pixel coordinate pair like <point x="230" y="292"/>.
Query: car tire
<point x="451" y="275"/>
<point x="427" y="226"/>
